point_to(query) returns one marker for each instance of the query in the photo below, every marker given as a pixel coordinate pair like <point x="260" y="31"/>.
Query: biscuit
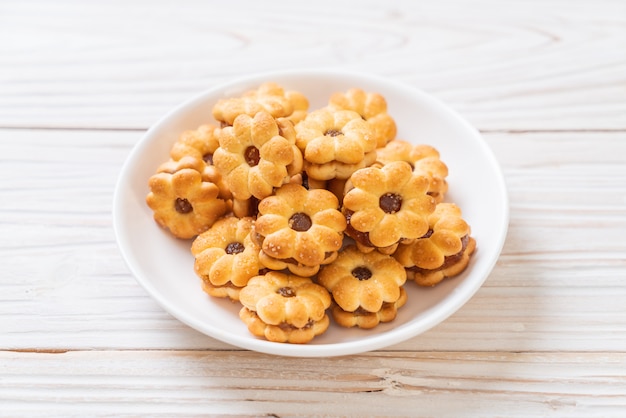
<point x="297" y="226"/>
<point x="372" y="107"/>
<point x="387" y="205"/>
<point x="209" y="173"/>
<point x="367" y="320"/>
<point x="256" y="155"/>
<point x="293" y="265"/>
<point x="225" y="291"/>
<point x="284" y="308"/>
<point x="365" y="281"/>
<point x="183" y="202"/>
<point x="444" y="251"/>
<point x="188" y="161"/>
<point x="335" y="143"/>
<point x="269" y="97"/>
<point x="423" y="158"/>
<point x="200" y="143"/>
<point x="335" y="186"/>
<point x="226" y="257"/>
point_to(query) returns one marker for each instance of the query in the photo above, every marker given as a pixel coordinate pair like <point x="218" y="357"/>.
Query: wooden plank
<point x="124" y="64"/>
<point x="543" y="80"/>
<point x="201" y="383"/>
<point x="557" y="286"/>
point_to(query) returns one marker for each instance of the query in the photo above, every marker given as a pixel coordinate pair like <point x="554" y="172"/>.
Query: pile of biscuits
<point x="300" y="214"/>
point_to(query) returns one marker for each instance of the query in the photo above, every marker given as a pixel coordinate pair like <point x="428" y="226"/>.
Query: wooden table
<point x="545" y="83"/>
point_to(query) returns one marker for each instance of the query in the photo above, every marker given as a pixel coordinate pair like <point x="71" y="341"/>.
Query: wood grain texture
<point x="124" y="64"/>
<point x="545" y="82"/>
<point x="192" y="383"/>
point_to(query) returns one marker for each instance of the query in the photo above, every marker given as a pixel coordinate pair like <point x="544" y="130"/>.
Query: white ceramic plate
<point x="163" y="265"/>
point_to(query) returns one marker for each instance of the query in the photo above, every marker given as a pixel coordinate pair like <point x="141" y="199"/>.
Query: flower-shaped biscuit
<point x="363" y="280"/>
<point x="444" y="251"/>
<point x="386" y="205"/>
<point x="191" y="162"/>
<point x="335" y="143"/>
<point x="269" y="97"/>
<point x="423" y="158"/>
<point x="184" y="203"/>
<point x="225" y="256"/>
<point x="284" y="308"/>
<point x="372" y="107"/>
<point x="366" y="320"/>
<point x="194" y="149"/>
<point x="200" y="143"/>
<point x="300" y="227"/>
<point x="256" y="154"/>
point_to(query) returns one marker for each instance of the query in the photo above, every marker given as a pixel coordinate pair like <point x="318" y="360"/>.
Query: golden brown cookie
<point x="299" y="229"/>
<point x="182" y="201"/>
<point x="171" y="166"/>
<point x="269" y="97"/>
<point x="256" y="155"/>
<point x="209" y="173"/>
<point x="362" y="283"/>
<point x="284" y="308"/>
<point x="444" y="251"/>
<point x="200" y="143"/>
<point x="335" y="143"/>
<point x="294" y="267"/>
<point x="367" y="320"/>
<point x="387" y="205"/>
<point x="423" y="158"/>
<point x="335" y="186"/>
<point x="226" y="257"/>
<point x="373" y="109"/>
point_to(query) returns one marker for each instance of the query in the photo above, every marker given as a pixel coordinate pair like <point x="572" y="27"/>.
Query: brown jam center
<point x="362" y="273"/>
<point x="361" y="237"/>
<point x="286" y="292"/>
<point x="182" y="206"/>
<point x="360" y="311"/>
<point x="333" y="132"/>
<point x="208" y="158"/>
<point x="455" y="258"/>
<point x="288" y="327"/>
<point x="305" y="180"/>
<point x="300" y="222"/>
<point x="292" y="260"/>
<point x="252" y="156"/>
<point x="235" y="248"/>
<point x="390" y="202"/>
